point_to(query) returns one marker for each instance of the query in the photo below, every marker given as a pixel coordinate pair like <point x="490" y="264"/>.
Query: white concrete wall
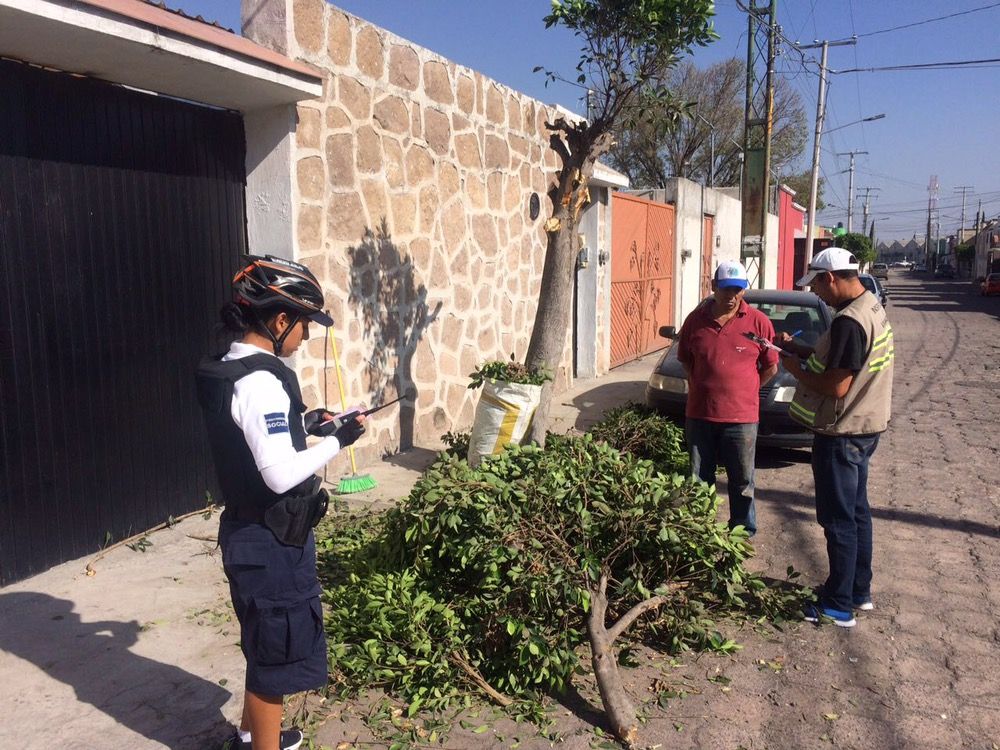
<point x="771" y="253"/>
<point x="270" y="191"/>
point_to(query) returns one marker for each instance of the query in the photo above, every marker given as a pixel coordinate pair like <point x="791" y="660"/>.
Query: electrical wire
<point x="946" y="65"/>
<point x="928" y="20"/>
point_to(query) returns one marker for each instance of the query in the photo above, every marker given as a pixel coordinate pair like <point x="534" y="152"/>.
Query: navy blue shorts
<point x="276" y="597"/>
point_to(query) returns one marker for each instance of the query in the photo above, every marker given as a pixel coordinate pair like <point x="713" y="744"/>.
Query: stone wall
<point x="411" y="186"/>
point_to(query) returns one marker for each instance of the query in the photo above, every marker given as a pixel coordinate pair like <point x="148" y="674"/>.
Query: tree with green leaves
<point x="627" y="49"/>
<point x="859" y="245"/>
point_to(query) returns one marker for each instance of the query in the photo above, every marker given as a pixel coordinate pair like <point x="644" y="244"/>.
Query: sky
<point x="937" y="122"/>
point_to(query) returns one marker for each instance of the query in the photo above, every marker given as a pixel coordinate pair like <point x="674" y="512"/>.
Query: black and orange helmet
<point x="271" y="282"/>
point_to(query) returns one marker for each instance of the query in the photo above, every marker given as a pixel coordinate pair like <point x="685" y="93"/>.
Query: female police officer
<point x="254" y="414"/>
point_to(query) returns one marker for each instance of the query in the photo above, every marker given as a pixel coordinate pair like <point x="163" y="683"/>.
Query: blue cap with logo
<point x="731" y="273"/>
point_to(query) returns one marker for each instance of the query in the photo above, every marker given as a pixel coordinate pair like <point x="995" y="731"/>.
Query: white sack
<point x="503" y="415"/>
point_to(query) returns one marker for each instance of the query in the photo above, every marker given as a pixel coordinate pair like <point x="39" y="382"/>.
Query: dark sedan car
<point x="801" y="314"/>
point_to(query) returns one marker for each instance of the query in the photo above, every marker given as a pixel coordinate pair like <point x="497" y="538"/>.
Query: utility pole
<point x="820" y="116"/>
<point x="865" y="208"/>
<point x="961" y="227"/>
<point x="758" y="118"/>
<point x="932" y="188"/>
<point x="850" y="189"/>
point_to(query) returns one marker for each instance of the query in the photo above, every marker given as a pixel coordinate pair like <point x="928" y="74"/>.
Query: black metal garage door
<point x="121" y="215"/>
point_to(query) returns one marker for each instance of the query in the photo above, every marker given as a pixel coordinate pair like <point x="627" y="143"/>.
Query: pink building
<point x="791" y="224"/>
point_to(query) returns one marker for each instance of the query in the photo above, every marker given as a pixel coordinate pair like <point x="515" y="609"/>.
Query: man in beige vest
<point x="843" y="395"/>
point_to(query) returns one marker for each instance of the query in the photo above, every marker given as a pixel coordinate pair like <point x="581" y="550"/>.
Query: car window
<point x="792" y="318"/>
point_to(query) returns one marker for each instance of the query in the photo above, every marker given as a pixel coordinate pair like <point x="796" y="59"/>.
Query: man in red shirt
<point x="725" y="372"/>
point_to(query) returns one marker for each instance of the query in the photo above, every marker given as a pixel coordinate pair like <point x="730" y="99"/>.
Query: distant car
<point x="800" y="313"/>
<point x="902" y="264"/>
<point x="944" y="271"/>
<point x="990" y="285"/>
<point x="880" y="270"/>
<point x="920" y="268"/>
<point x="876" y="287"/>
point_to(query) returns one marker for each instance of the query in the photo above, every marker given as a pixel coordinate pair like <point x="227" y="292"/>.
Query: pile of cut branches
<point x="492" y="578"/>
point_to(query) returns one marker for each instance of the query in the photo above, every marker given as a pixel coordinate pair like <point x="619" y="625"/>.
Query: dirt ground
<point x="144" y="653"/>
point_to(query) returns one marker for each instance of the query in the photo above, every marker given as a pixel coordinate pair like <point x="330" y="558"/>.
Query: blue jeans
<point x="732" y="446"/>
<point x="840" y="470"/>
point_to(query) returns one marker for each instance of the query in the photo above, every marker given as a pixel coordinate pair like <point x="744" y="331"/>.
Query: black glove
<point x="346" y="428"/>
<point x="312" y="420"/>
<point x="349" y="431"/>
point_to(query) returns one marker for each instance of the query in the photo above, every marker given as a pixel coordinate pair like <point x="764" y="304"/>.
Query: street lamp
<point x="856" y="122"/>
<point x="814" y="176"/>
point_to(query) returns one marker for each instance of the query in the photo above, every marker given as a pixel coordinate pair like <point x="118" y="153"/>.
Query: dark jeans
<point x="840" y="470"/>
<point x="732" y="446"/>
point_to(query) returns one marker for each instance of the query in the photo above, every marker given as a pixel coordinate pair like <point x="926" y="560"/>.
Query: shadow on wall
<point x="161" y="702"/>
<point x="395" y="315"/>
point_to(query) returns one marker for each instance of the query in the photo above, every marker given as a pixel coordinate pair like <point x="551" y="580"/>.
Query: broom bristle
<point x="355" y="483"/>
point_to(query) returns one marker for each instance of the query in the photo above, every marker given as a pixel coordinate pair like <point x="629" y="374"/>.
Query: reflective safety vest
<point x="865" y="408"/>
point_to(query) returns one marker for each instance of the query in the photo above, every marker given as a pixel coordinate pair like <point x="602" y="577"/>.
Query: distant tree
<point x="859" y="245"/>
<point x="800" y="183"/>
<point x="628" y="47"/>
<point x="677" y="143"/>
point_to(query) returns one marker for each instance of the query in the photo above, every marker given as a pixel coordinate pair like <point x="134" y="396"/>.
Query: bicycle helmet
<point x="269" y="282"/>
<point x="275" y="283"/>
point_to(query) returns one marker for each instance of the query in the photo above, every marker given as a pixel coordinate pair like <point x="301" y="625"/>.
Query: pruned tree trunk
<point x="578" y="146"/>
<point x="618" y="706"/>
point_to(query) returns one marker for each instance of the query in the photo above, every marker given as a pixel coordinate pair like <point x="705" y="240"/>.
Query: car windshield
<point x="869" y="284"/>
<point x="804" y="322"/>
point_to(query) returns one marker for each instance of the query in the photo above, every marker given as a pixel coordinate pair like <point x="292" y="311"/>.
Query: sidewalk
<point x="144" y="654"/>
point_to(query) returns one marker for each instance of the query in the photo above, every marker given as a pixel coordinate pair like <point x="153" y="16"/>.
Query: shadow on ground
<point x="593" y="403"/>
<point x="791" y="504"/>
<point x="158" y="701"/>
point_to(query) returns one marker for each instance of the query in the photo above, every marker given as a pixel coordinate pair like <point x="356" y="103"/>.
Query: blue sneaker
<point x="864" y="605"/>
<point x="816" y="612"/>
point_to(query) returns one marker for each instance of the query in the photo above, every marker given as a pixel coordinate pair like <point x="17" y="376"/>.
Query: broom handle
<point x="340" y="385"/>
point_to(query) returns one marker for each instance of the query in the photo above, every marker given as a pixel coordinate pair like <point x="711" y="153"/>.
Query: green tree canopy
<point x="859" y="245"/>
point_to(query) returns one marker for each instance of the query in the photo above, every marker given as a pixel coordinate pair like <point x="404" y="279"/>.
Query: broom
<point x="356" y="482"/>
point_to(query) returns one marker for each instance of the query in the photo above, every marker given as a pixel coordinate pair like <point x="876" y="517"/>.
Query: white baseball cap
<point x="731" y="273"/>
<point x="831" y="259"/>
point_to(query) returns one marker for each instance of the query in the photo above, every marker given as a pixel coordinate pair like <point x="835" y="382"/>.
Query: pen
<point x="797" y="333"/>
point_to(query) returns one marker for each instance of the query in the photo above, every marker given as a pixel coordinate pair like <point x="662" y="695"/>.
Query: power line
<point x="929" y="20"/>
<point x="990" y="61"/>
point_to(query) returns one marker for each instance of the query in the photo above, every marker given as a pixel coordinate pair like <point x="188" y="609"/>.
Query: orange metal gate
<point x="642" y="276"/>
<point x="707" y="245"/>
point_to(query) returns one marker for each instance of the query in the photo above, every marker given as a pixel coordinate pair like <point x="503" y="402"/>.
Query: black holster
<point x="291" y="517"/>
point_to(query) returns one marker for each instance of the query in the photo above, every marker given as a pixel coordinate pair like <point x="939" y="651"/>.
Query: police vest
<point x="244" y="491"/>
<point x="865" y="408"/>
